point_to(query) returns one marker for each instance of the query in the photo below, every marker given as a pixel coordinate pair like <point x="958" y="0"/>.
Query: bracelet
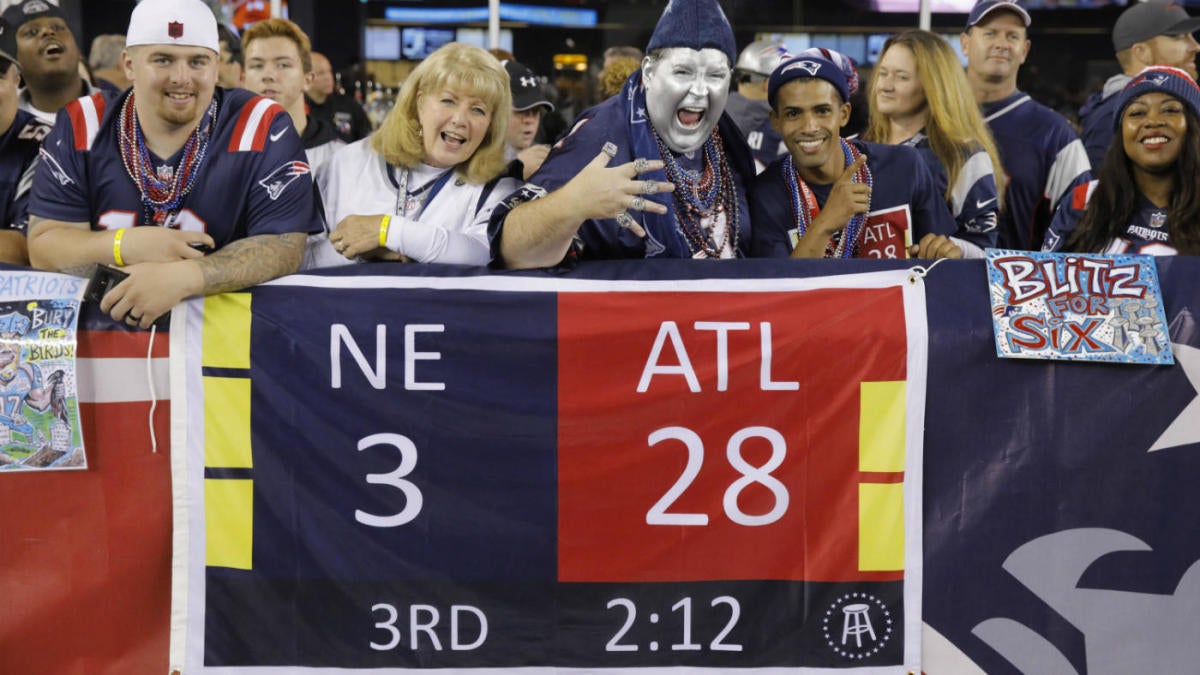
<point x="383" y="230"/>
<point x="117" y="248"/>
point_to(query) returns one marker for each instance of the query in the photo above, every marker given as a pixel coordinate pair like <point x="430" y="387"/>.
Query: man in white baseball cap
<point x="154" y="179"/>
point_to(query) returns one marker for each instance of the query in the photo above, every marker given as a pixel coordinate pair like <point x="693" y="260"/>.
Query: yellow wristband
<point x="117" y="248"/>
<point x="383" y="230"/>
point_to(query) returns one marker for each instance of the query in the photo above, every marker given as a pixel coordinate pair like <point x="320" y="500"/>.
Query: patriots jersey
<point x="1044" y="160"/>
<point x="18" y="161"/>
<point x="753" y="120"/>
<point x="1096" y="118"/>
<point x="1145" y="233"/>
<point x="604" y="239"/>
<point x="254" y="178"/>
<point x="905" y="206"/>
<point x="973" y="200"/>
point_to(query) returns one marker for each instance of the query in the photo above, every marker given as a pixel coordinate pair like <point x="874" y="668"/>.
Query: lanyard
<point x="403" y="195"/>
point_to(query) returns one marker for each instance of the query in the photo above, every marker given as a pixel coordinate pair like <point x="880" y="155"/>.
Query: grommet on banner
<point x="918" y="273"/>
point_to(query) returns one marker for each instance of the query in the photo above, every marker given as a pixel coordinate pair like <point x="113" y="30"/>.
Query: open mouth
<point x="690" y="118"/>
<point x="54" y="49"/>
<point x="180" y="96"/>
<point x="810" y="145"/>
<point x="453" y="140"/>
<point x="1154" y="142"/>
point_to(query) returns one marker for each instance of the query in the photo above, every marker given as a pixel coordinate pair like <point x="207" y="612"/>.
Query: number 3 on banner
<point x="657" y="515"/>
<point x="395" y="478"/>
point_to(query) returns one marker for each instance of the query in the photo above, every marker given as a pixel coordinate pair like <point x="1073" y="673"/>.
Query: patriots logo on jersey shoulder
<point x="55" y="168"/>
<point x="278" y="180"/>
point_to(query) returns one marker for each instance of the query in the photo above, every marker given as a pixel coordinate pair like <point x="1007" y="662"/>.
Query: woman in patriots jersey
<point x="1146" y="199"/>
<point x="921" y="98"/>
<point x="424" y="186"/>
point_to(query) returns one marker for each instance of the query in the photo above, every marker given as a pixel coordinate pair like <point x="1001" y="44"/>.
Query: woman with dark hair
<point x="1146" y="199"/>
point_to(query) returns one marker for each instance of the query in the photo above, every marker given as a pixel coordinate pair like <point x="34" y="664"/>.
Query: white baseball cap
<point x="189" y="23"/>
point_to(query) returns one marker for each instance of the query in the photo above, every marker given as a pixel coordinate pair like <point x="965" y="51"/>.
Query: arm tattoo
<point x="251" y="261"/>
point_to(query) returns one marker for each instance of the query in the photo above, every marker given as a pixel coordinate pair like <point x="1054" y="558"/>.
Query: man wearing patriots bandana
<point x="173" y="167"/>
<point x="829" y="197"/>
<point x="657" y="171"/>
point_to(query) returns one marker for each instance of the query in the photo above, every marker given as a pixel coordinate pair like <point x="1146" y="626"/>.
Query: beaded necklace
<point x="708" y="194"/>
<point x="162" y="193"/>
<point x="843" y="243"/>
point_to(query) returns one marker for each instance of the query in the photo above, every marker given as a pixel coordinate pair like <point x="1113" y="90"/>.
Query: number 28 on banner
<point x="722" y="444"/>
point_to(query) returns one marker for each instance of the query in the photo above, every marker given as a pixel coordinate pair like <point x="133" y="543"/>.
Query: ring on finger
<point x="649" y="187"/>
<point x="637" y="204"/>
<point x="639" y="164"/>
<point x="624" y="220"/>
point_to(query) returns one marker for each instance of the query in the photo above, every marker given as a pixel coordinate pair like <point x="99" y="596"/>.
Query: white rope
<point x="153" y="393"/>
<point x="918" y="273"/>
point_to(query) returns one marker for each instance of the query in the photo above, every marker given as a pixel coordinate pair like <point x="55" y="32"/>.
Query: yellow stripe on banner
<point x="881" y="427"/>
<point x="226" y="342"/>
<point x="227" y="423"/>
<point x="880" y="527"/>
<point x="229" y="523"/>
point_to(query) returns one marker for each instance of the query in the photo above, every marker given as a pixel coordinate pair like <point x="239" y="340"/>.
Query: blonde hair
<point x="470" y="70"/>
<point x="612" y="78"/>
<point x="283" y="28"/>
<point x="954" y="118"/>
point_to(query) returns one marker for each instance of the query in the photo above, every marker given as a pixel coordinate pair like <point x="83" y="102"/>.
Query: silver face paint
<point x="686" y="90"/>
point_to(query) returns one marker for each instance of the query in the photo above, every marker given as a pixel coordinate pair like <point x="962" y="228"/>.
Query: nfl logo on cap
<point x="188" y="23"/>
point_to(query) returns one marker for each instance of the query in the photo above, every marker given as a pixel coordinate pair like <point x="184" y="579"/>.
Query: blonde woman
<point x="920" y="98"/>
<point x="423" y="187"/>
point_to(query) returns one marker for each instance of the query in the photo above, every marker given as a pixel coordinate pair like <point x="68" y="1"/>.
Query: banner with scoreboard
<point x="390" y="473"/>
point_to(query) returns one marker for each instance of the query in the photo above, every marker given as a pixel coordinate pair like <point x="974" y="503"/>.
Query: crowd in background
<point x="693" y="148"/>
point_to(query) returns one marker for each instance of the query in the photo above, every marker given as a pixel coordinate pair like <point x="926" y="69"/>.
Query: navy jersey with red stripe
<point x="1044" y="160"/>
<point x="254" y="178"/>
<point x="905" y="206"/>
<point x="1145" y="233"/>
<point x="18" y="160"/>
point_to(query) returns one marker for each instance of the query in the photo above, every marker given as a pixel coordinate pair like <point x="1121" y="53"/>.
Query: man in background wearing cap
<point x="326" y="103"/>
<point x="834" y="198"/>
<point x="1146" y="34"/>
<point x="529" y="103"/>
<point x="49" y="58"/>
<point x="279" y="66"/>
<point x="666" y="130"/>
<point x="196" y="166"/>
<point x="21" y="135"/>
<point x="748" y="107"/>
<point x="1040" y="152"/>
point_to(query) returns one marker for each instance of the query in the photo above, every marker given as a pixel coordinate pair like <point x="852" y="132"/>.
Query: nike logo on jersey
<point x="980" y="203"/>
<point x="276" y="136"/>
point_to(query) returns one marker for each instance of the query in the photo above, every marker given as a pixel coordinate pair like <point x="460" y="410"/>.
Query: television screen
<point x="479" y="38"/>
<point x="421" y="42"/>
<point x="382" y="43"/>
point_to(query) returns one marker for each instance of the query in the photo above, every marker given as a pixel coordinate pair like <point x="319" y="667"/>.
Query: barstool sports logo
<point x="857" y="625"/>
